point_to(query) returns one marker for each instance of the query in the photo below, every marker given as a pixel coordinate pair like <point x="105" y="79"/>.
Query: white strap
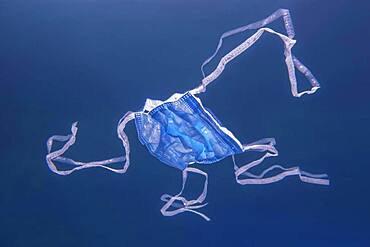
<point x="290" y="60"/>
<point x="253" y="26"/>
<point x="185" y="204"/>
<point x="56" y="155"/>
<point x="268" y="145"/>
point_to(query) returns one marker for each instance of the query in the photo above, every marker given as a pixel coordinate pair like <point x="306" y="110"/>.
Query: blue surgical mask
<point x="182" y="133"/>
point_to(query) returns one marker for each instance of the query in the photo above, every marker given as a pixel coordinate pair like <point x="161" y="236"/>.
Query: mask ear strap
<point x="69" y="140"/>
<point x="185" y="205"/>
<point x="288" y="24"/>
<point x="291" y="61"/>
<point x="269" y="146"/>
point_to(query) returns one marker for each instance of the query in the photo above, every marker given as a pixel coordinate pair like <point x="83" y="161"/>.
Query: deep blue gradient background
<point x="91" y="61"/>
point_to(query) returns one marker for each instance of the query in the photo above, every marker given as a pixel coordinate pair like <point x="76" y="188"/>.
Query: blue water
<point x="91" y="61"/>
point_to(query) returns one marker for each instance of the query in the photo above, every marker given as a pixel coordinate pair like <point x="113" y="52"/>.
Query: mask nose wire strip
<point x="291" y="60"/>
<point x="186" y="206"/>
<point x="262" y="179"/>
<point x="56" y="155"/>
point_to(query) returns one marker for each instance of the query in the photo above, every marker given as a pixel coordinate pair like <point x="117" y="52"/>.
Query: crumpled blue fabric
<point x="183" y="132"/>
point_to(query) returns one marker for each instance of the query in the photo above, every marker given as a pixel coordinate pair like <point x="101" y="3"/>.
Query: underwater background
<point x="92" y="60"/>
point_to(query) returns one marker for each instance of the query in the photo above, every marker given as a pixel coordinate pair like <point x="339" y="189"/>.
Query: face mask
<point x="181" y="132"/>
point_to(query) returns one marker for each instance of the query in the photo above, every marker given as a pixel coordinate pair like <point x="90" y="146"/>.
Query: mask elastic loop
<point x="185" y="204"/>
<point x="268" y="145"/>
<point x="56" y="155"/>
<point x="291" y="61"/>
